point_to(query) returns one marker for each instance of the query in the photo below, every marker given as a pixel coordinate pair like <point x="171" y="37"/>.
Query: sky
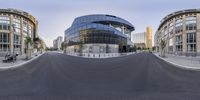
<point x="55" y="16"/>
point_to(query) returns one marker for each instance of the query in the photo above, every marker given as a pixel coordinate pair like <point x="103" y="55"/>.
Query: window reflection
<point x="191" y="23"/>
<point x="179" y="26"/>
<point x="96" y="36"/>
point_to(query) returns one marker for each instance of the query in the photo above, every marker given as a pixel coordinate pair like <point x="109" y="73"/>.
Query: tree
<point x="80" y="48"/>
<point x="107" y="48"/>
<point x="28" y="43"/>
<point x="62" y="46"/>
<point x="65" y="47"/>
<point x="153" y="48"/>
<point x="41" y="47"/>
<point x="162" y="46"/>
<point x="138" y="48"/>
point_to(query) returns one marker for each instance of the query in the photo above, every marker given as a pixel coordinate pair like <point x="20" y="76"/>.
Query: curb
<point x="177" y="65"/>
<point x="20" y="64"/>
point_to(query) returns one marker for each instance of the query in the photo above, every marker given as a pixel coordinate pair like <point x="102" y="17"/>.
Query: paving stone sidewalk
<point x="20" y="60"/>
<point x="182" y="61"/>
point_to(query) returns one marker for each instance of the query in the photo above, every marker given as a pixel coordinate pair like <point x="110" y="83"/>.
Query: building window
<point x="179" y="26"/>
<point x="179" y="41"/>
<point x="30" y="30"/>
<point x="17" y="43"/>
<point x="4" y="23"/>
<point x="191" y="23"/>
<point x="17" y="27"/>
<point x="165" y="30"/>
<point x="25" y="27"/>
<point x="4" y="42"/>
<point x="4" y="38"/>
<point x="171" y="27"/>
<point x="17" y="39"/>
<point x="191" y="42"/>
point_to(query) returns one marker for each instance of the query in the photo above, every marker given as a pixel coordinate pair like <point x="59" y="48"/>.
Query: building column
<point x="174" y="43"/>
<point x="198" y="35"/>
<point x="11" y="35"/>
<point x="184" y="36"/>
<point x="123" y="29"/>
<point x="22" y="37"/>
<point x="174" y="36"/>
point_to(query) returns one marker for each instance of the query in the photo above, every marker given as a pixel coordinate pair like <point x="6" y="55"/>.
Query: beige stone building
<point x="181" y="32"/>
<point x="15" y="25"/>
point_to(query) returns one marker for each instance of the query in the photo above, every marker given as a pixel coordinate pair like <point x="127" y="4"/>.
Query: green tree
<point x="80" y="48"/>
<point x="41" y="47"/>
<point x="138" y="48"/>
<point x="134" y="48"/>
<point x="143" y="48"/>
<point x="28" y="43"/>
<point x="62" y="46"/>
<point x="153" y="48"/>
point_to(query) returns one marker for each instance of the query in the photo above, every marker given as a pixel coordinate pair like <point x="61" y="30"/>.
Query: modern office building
<point x="99" y="34"/>
<point x="181" y="32"/>
<point x="144" y="39"/>
<point x="15" y="25"/>
<point x="57" y="43"/>
<point x="139" y="39"/>
<point x="149" y="37"/>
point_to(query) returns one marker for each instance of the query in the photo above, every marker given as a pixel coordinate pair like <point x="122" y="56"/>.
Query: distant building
<point x="149" y="37"/>
<point x="139" y="39"/>
<point x="57" y="43"/>
<point x="143" y="39"/>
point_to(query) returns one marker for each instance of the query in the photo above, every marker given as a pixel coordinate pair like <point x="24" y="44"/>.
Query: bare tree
<point x="162" y="46"/>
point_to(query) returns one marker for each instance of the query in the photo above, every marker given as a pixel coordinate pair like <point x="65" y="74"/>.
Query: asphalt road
<point x="142" y="76"/>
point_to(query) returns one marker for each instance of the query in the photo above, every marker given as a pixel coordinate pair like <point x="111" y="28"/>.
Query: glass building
<point x="181" y="32"/>
<point x="98" y="34"/>
<point x="15" y="25"/>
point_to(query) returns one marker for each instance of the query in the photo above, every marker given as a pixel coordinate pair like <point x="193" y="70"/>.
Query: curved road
<point x="142" y="76"/>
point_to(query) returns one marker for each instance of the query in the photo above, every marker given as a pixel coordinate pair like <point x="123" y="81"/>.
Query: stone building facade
<point x="181" y="32"/>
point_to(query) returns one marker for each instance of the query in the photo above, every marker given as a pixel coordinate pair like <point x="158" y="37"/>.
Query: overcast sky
<point x="55" y="16"/>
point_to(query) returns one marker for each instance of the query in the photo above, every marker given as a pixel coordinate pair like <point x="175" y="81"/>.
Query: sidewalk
<point x="20" y="61"/>
<point x="182" y="61"/>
